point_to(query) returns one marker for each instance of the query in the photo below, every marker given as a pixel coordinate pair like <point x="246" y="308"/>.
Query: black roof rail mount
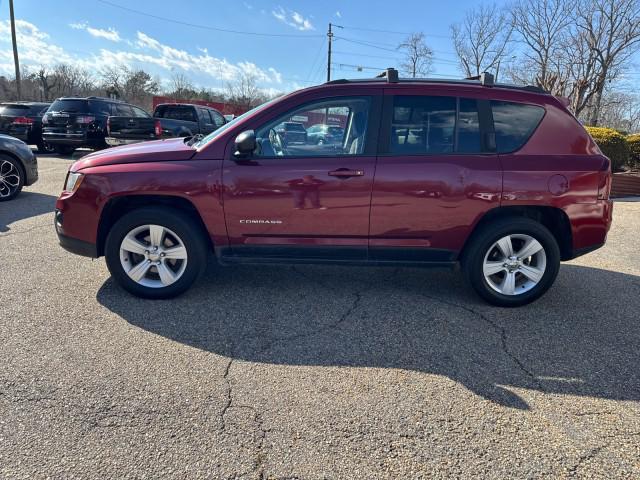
<point x="391" y="74"/>
<point x="486" y="79"/>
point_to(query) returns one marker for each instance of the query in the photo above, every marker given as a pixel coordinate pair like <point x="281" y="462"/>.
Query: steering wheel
<point x="276" y="142"/>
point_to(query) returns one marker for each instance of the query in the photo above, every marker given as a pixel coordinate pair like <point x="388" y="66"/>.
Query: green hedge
<point x="613" y="145"/>
<point x="634" y="150"/>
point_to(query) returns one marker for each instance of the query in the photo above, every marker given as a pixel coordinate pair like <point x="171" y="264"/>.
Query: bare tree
<point x="244" y="91"/>
<point x="481" y="41"/>
<point x="46" y="82"/>
<point x="418" y="57"/>
<point x="544" y="28"/>
<point x="609" y="30"/>
<point x="621" y="111"/>
<point x="181" y="87"/>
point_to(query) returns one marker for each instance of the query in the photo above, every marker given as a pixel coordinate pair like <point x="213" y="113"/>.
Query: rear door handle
<point x="346" y="173"/>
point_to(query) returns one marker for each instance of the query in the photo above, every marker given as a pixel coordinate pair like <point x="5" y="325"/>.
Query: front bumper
<point x="73" y="245"/>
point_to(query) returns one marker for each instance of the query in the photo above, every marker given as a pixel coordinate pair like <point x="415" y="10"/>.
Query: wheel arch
<point x="553" y="218"/>
<point x="120" y="205"/>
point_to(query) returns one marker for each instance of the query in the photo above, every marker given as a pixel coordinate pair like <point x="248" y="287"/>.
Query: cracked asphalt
<point x="312" y="372"/>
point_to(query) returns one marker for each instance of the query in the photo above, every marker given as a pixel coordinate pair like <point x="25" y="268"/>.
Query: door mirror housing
<point x="245" y="144"/>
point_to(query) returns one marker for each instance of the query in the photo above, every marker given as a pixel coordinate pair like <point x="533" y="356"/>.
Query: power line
<point x="313" y="65"/>
<point x="206" y="27"/>
<point x="393" y="32"/>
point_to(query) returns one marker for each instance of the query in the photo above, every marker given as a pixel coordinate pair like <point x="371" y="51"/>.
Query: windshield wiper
<point x="193" y="139"/>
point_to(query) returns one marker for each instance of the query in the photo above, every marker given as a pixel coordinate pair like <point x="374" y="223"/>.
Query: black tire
<point x="483" y="239"/>
<point x="44" y="147"/>
<point x="10" y="188"/>
<point x="63" y="149"/>
<point x="189" y="232"/>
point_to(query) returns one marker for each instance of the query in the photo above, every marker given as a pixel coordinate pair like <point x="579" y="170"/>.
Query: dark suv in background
<point x="499" y="178"/>
<point x="73" y="122"/>
<point x="23" y="120"/>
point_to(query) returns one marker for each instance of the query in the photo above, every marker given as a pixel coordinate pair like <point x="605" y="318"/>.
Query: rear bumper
<point x="65" y="138"/>
<point x="114" y="142"/>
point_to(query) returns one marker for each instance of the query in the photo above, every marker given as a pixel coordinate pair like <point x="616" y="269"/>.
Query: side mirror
<point x="245" y="143"/>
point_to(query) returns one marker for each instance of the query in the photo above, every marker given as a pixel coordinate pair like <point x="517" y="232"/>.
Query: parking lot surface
<point x="312" y="371"/>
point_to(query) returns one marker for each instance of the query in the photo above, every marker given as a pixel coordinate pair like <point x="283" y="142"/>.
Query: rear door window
<point x="514" y="124"/>
<point x="123" y="110"/>
<point x="138" y="112"/>
<point x="468" y="127"/>
<point x="103" y="108"/>
<point x="423" y="125"/>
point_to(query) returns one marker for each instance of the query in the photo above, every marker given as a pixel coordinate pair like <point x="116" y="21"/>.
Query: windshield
<point x="213" y="135"/>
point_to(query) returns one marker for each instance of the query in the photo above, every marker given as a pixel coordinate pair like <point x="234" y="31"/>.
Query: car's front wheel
<point x="512" y="262"/>
<point x="155" y="253"/>
<point x="11" y="178"/>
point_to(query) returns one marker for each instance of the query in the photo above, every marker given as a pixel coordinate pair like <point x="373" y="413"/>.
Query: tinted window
<point x="203" y="116"/>
<point x="123" y="110"/>
<point x="178" y="112"/>
<point x="423" y="124"/>
<point x="286" y="136"/>
<point x="104" y="108"/>
<point x="14" y="110"/>
<point x="138" y="112"/>
<point x="514" y="124"/>
<point x="217" y="118"/>
<point x="468" y="127"/>
<point x="70" y="106"/>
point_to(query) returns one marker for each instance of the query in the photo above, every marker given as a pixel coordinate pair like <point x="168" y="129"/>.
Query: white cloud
<point x="338" y="14"/>
<point x="147" y="53"/>
<point x="109" y="34"/>
<point x="293" y="19"/>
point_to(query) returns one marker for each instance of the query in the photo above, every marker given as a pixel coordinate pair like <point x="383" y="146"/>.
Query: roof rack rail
<point x="486" y="79"/>
<point x="391" y="74"/>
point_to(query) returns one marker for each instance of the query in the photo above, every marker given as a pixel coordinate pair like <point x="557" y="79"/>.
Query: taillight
<point x="108" y="125"/>
<point x="23" y="121"/>
<point x="84" y="119"/>
<point x="157" y="128"/>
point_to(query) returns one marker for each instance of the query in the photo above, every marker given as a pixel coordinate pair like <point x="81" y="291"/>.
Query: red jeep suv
<point x="499" y="178"/>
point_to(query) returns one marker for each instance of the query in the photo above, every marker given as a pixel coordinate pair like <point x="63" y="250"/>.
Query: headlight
<point x="73" y="181"/>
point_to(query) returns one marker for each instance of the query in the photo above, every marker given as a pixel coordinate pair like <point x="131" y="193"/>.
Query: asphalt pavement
<point x="312" y="371"/>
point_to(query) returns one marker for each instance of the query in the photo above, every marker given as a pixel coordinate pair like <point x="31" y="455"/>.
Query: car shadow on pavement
<point x="582" y="338"/>
<point x="25" y="205"/>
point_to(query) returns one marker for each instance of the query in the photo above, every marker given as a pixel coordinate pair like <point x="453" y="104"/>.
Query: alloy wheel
<point x="153" y="256"/>
<point x="514" y="264"/>
<point x="9" y="179"/>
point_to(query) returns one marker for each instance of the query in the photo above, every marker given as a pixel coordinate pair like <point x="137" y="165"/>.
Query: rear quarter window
<point x="514" y="124"/>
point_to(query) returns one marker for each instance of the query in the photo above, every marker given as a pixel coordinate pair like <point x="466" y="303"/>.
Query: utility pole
<point x="15" y="48"/>
<point x="330" y="39"/>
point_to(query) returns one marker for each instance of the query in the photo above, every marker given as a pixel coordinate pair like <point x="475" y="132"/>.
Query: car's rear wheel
<point x="512" y="262"/>
<point x="155" y="253"/>
<point x="11" y="178"/>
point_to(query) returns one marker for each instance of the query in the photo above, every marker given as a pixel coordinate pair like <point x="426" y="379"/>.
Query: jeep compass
<point x="500" y="179"/>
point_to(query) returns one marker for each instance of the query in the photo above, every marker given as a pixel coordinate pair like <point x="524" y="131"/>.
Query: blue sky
<point x="92" y="33"/>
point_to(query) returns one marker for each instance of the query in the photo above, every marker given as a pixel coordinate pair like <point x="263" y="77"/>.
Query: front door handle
<point x="346" y="173"/>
